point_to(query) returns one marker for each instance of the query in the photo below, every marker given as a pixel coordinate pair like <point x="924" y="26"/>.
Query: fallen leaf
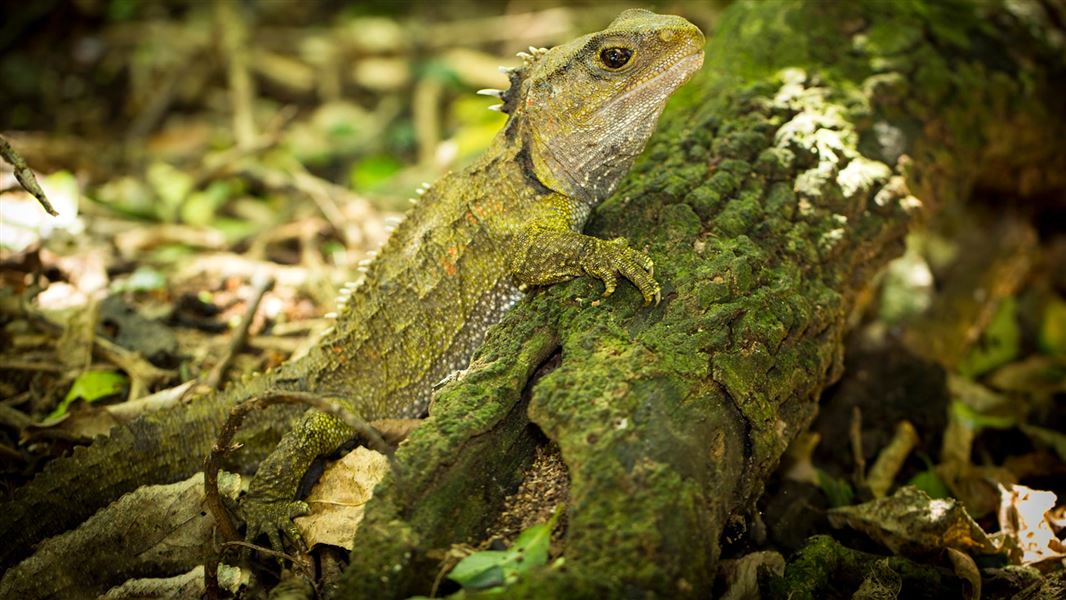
<point x="911" y="523"/>
<point x="154" y="529"/>
<point x="882" y="582"/>
<point x="339" y="498"/>
<point x="91" y="386"/>
<point x="491" y="568"/>
<point x="966" y="569"/>
<point x="186" y="585"/>
<point x="742" y="575"/>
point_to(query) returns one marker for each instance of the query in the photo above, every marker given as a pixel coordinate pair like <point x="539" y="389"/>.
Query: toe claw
<point x="616" y="257"/>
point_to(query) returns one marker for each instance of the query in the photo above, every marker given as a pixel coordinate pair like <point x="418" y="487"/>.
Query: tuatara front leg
<point x="271" y="503"/>
<point x="551" y="253"/>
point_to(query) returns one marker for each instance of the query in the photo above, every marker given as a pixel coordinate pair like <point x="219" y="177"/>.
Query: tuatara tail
<point x="161" y="447"/>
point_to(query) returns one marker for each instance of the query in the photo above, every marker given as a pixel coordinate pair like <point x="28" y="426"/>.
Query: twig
<point x="857" y="455"/>
<point x="222" y="162"/>
<point x="131" y="409"/>
<point x="212" y="591"/>
<point x="162" y="95"/>
<point x="261" y="283"/>
<point x="142" y="373"/>
<point x="14" y="418"/>
<point x="16" y="364"/>
<point x="234" y="30"/>
<point x="890" y="460"/>
<point x="261" y="549"/>
<point x="25" y="176"/>
<point x="322" y="193"/>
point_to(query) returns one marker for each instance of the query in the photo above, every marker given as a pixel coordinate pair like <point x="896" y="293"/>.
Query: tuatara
<point x="578" y="116"/>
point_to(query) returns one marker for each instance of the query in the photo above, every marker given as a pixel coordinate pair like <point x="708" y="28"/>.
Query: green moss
<point x="823" y="568"/>
<point x="775" y="163"/>
<point x="681" y="223"/>
<point x="705" y="201"/>
<point x="885" y="38"/>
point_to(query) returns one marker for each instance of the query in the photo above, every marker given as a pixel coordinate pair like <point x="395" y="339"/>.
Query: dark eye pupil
<point x="615" y="58"/>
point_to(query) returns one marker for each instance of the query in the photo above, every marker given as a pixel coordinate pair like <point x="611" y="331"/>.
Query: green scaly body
<point x="449" y="271"/>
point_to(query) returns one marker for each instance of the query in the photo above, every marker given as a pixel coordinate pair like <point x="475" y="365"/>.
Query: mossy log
<point x="781" y="179"/>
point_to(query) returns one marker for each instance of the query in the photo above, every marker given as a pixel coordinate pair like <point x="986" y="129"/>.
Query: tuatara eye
<point x="615" y="58"/>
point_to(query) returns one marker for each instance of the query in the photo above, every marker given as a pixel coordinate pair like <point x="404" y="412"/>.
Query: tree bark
<point x="781" y="179"/>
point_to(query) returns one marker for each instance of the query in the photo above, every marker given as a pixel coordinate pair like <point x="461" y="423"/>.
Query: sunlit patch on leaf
<point x="910" y="522"/>
<point x="1025" y="518"/>
<point x="24" y="222"/>
<point x="1053" y="327"/>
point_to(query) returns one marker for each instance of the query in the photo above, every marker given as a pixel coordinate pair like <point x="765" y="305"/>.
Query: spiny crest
<point x="515" y="75"/>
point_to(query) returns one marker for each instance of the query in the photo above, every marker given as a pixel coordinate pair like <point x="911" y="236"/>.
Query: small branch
<point x="162" y="95"/>
<point x="855" y="436"/>
<point x="16" y="364"/>
<point x="890" y="460"/>
<point x="261" y="549"/>
<point x="142" y="373"/>
<point x="233" y="27"/>
<point x="221" y="163"/>
<point x="261" y="282"/>
<point x="25" y="176"/>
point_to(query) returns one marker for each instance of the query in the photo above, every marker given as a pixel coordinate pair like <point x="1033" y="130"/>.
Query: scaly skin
<point x="579" y="115"/>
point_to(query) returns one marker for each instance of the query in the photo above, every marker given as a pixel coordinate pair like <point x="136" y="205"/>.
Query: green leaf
<point x="91" y="386"/>
<point x="999" y="344"/>
<point x="1053" y="327"/>
<point x="533" y="543"/>
<point x="930" y="483"/>
<point x="171" y="185"/>
<point x="492" y="568"/>
<point x="838" y="491"/>
<point x="371" y="172"/>
<point x="482" y="569"/>
<point x="143" y="279"/>
<point x="200" y="206"/>
<point x="978" y="420"/>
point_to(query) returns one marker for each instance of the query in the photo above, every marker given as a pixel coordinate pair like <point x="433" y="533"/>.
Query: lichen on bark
<point x="780" y="181"/>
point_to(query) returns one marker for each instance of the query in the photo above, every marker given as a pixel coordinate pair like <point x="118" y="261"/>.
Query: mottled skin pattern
<point x="579" y="115"/>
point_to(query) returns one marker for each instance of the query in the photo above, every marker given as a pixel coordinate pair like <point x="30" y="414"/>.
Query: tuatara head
<point x="585" y="109"/>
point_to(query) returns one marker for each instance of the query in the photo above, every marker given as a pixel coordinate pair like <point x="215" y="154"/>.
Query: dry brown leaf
<point x="154" y="529"/>
<point x="338" y="499"/>
<point x="186" y="585"/>
<point x="966" y="569"/>
<point x="742" y="574"/>
<point x="911" y="523"/>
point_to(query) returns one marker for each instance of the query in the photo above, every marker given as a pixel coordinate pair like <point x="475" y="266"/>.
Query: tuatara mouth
<point x="658" y="87"/>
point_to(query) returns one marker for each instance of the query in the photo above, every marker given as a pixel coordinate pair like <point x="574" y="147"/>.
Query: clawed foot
<point x="616" y="257"/>
<point x="274" y="519"/>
